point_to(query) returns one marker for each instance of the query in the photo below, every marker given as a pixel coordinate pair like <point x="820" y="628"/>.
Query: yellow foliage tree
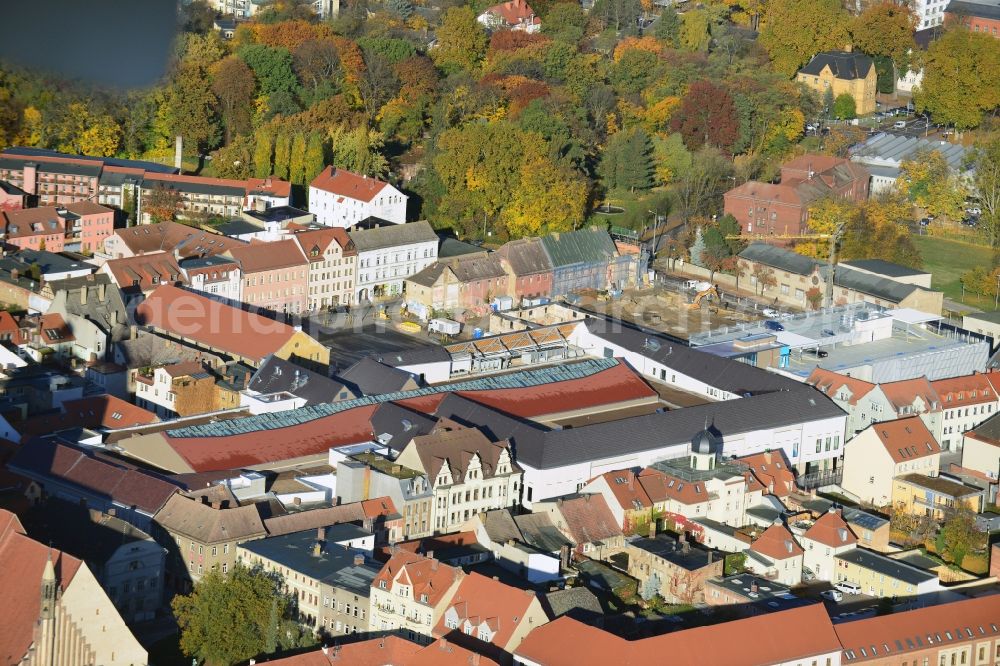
<point x="551" y="198"/>
<point x="648" y="43"/>
<point x="101" y="138"/>
<point x="31" y="127"/>
<point x="657" y="120"/>
<point x="825" y="216"/>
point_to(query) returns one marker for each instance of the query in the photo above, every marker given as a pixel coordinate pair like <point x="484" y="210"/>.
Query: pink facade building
<point x="12" y="197"/>
<point x="76" y="227"/>
<point x="275" y="276"/>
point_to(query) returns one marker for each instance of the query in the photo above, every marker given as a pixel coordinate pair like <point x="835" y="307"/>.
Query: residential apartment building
<point x="180" y="239"/>
<point x="935" y="496"/>
<point x="587" y="522"/>
<point x="332" y="262"/>
<point x="884" y="451"/>
<point x="827" y="537"/>
<point x="201" y="531"/>
<point x="389" y="254"/>
<point x="93" y="308"/>
<point x="529" y="271"/>
<point x="275" y="276"/>
<point x="369" y="475"/>
<point x="56" y="181"/>
<point x="981" y="448"/>
<point x="198" y="197"/>
<point x="12" y="197"/>
<point x="142" y="274"/>
<point x="341" y="198"/>
<point x="215" y="276"/>
<point x="776" y="555"/>
<point x="329" y="571"/>
<point x="55" y="607"/>
<point x="842" y="72"/>
<point x="74" y="227"/>
<point x="881" y="576"/>
<point x="486" y="612"/>
<point x="783" y="208"/>
<point x="976" y="15"/>
<point x="673" y="569"/>
<point x="467" y="472"/>
<point x="468" y="282"/>
<point x="511" y="15"/>
<point x="178" y="389"/>
<point x="966" y="402"/>
<point x="410" y="595"/>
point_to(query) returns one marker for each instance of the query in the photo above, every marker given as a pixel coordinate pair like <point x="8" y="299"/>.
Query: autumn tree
<point x="282" y="154"/>
<point x="627" y="161"/>
<point x="698" y="189"/>
<point x="251" y="599"/>
<point x="297" y="160"/>
<point x="234" y="160"/>
<point x="263" y="151"/>
<point x="844" y="107"/>
<point x="827" y="216"/>
<point x="189" y="109"/>
<point x="764" y="278"/>
<point x="694" y="32"/>
<point x="617" y="14"/>
<point x="706" y="115"/>
<point x="551" y="198"/>
<point x="315" y="158"/>
<point x="359" y="150"/>
<point x="880" y="231"/>
<point x="961" y="77"/>
<point x="162" y="203"/>
<point x="927" y="180"/>
<point x="795" y="30"/>
<point x="101" y="137"/>
<point x="461" y="41"/>
<point x="671" y="158"/>
<point x="379" y="83"/>
<point x="233" y="84"/>
<point x="317" y="63"/>
<point x="985" y="159"/>
<point x="886" y="29"/>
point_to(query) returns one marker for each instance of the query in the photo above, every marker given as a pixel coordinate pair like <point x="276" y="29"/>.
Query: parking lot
<point x="850" y="606"/>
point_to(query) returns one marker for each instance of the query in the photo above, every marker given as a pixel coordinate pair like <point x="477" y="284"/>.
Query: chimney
<point x="14" y="274"/>
<point x="711" y="557"/>
<point x="767" y="457"/>
<point x="359" y="559"/>
<point x="631" y="481"/>
<point x="753" y="586"/>
<point x="321" y="534"/>
<point x="317" y="550"/>
<point x="848" y="48"/>
<point x="178" y="151"/>
<point x="429" y="554"/>
<point x="83" y="295"/>
<point x="102" y="291"/>
<point x="434" y="564"/>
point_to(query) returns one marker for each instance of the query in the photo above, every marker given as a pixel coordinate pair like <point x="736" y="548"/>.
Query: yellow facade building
<point x="842" y="72"/>
<point x="934" y="496"/>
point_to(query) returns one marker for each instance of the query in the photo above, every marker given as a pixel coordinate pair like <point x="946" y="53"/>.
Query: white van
<point x="848" y="588"/>
<point x="899" y="124"/>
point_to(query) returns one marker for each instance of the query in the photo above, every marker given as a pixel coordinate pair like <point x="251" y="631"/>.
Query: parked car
<point x="807" y="574"/>
<point x="772" y="325"/>
<point x="828" y="333"/>
<point x="769" y="312"/>
<point x="848" y="588"/>
<point x="832" y="595"/>
<point x="819" y="353"/>
<point x="899" y="124"/>
<point x="925" y="222"/>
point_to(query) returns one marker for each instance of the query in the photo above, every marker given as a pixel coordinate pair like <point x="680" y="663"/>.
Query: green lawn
<point x="947" y="260"/>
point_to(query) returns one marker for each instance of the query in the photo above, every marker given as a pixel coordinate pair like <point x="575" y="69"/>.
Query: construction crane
<point x="831" y="260"/>
<point x="711" y="291"/>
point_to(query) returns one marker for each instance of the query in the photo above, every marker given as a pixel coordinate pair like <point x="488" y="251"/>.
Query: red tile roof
<point x="831" y="530"/>
<point x="87" y="208"/>
<point x="53" y="330"/>
<point x="896" y="635"/>
<point x="588" y="518"/>
<point x="429" y="578"/>
<point x="830" y="383"/>
<point x="661" y="487"/>
<point x="790" y="636"/>
<point x="971" y="389"/>
<point x="480" y="600"/>
<point x="771" y="470"/>
<point x="194" y="180"/>
<point x="627" y="489"/>
<point x="168" y="236"/>
<point x="515" y="12"/>
<point x="347" y="184"/>
<point x="906" y="439"/>
<point x="24" y="561"/>
<point x="387" y="650"/>
<point x="100" y="411"/>
<point x="777" y="543"/>
<point x="272" y="186"/>
<point x="148" y="270"/>
<point x="9" y="328"/>
<point x="210" y="323"/>
<point x="903" y="393"/>
<point x="260" y="257"/>
<point x="321" y="239"/>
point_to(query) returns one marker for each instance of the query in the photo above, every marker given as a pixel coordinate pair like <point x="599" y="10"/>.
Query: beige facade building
<point x="55" y="611"/>
<point x="411" y="594"/>
<point x="981" y="448"/>
<point x="884" y="451"/>
<point x="332" y="260"/>
<point x="842" y="72"/>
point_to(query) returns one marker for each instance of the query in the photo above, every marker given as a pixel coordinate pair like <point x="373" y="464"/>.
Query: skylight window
<point x="117" y="416"/>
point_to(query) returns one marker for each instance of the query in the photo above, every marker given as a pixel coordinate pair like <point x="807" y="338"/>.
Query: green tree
<point x="627" y="161"/>
<point x="199" y="17"/>
<point x="315" y="160"/>
<point x="671" y="157"/>
<point x="886" y="29"/>
<point x="961" y="77"/>
<point x="263" y="151"/>
<point x="985" y="159"/>
<point x="250" y="599"/>
<point x="795" y="30"/>
<point x="565" y="22"/>
<point x="633" y="71"/>
<point x="189" y="109"/>
<point x="960" y="536"/>
<point x="668" y="27"/>
<point x="927" y="181"/>
<point x="844" y="107"/>
<point x="617" y="15"/>
<point x="694" y="32"/>
<point x="359" y="150"/>
<point x="297" y="160"/>
<point x="461" y="41"/>
<point x="282" y="154"/>
<point x="235" y="159"/>
<point x="402" y="8"/>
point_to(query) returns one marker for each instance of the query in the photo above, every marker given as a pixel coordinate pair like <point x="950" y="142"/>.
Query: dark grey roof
<point x="197" y="187"/>
<point x="428" y="276"/>
<point x="400" y="424"/>
<point x="392" y="235"/>
<point x="989" y="429"/>
<point x="237" y="227"/>
<point x="335" y="565"/>
<point x="873" y="285"/>
<point x="670" y="549"/>
<point x="68" y="168"/>
<point x="778" y="257"/>
<point x="373" y="378"/>
<point x="542" y="448"/>
<point x="153" y="167"/>
<point x="10" y="188"/>
<point x="722" y="373"/>
<point x="206" y="261"/>
<point x="578" y="603"/>
<point x="526" y="256"/>
<point x="278" y="214"/>
<point x="886" y="566"/>
<point x="276" y="375"/>
<point x="863" y="518"/>
<point x="415" y="356"/>
<point x="50" y="262"/>
<point x="986" y="10"/>
<point x="538" y="532"/>
<point x="452" y="247"/>
<point x="844" y="65"/>
<point x="881" y="267"/>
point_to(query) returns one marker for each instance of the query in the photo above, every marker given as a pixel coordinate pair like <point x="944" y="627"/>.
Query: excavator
<point x="711" y="291"/>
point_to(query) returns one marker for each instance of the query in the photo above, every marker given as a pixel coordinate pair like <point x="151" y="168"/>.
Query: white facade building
<point x="218" y="277"/>
<point x="340" y="198"/>
<point x="390" y="254"/>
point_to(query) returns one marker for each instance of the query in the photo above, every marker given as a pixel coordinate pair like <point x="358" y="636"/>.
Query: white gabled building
<point x="340" y="198"/>
<point x="388" y="255"/>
